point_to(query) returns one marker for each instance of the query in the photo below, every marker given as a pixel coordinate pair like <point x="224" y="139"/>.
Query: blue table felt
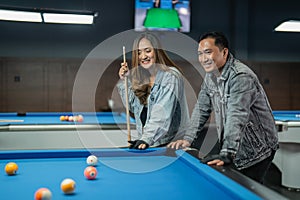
<point x="285" y="115"/>
<point x="54" y="118"/>
<point x="122" y="174"/>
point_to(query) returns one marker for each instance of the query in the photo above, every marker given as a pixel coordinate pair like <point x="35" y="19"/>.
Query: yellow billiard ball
<point x="11" y="168"/>
<point x="68" y="186"/>
<point x="62" y="118"/>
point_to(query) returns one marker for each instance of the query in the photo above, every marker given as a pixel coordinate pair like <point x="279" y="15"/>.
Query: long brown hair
<point x="140" y="77"/>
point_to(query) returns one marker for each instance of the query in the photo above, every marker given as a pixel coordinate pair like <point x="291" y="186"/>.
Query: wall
<point x="29" y="84"/>
<point x="248" y="24"/>
<point x="39" y="62"/>
<point x="281" y="82"/>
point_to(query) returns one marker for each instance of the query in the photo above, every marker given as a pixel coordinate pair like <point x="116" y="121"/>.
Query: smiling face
<point x="146" y="53"/>
<point x="211" y="57"/>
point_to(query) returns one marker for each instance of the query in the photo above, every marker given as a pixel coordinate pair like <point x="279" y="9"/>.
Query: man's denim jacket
<point x="167" y="114"/>
<point x="243" y="116"/>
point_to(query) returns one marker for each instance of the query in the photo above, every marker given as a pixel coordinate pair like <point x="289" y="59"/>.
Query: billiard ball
<point x="66" y="118"/>
<point x="11" y="168"/>
<point x="75" y="119"/>
<point x="90" y="172"/>
<point x="43" y="194"/>
<point x="92" y="160"/>
<point x="62" y="118"/>
<point x="80" y="118"/>
<point x="71" y="118"/>
<point x="68" y="186"/>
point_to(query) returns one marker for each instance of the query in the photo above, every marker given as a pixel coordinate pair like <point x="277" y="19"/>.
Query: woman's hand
<point x="123" y="70"/>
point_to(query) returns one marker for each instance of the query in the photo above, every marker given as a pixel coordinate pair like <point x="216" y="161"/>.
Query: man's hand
<point x="219" y="159"/>
<point x="179" y="144"/>
<point x="138" y="144"/>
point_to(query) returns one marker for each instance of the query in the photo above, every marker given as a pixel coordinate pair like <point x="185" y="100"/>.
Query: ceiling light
<point x="289" y="26"/>
<point x="24" y="16"/>
<point x="45" y="15"/>
<point x="68" y="18"/>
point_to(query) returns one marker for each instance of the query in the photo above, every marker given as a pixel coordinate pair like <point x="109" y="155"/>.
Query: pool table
<point x="48" y="120"/>
<point x="162" y="18"/>
<point x="287" y="158"/>
<point x="156" y="173"/>
<point x="44" y="130"/>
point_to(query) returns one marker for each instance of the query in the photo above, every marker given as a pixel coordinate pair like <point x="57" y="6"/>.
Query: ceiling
<point x="248" y="24"/>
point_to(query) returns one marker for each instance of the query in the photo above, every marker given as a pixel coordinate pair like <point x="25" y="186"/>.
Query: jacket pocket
<point x="255" y="137"/>
<point x="252" y="144"/>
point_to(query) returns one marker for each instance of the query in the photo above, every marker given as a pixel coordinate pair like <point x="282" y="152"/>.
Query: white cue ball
<point x="92" y="160"/>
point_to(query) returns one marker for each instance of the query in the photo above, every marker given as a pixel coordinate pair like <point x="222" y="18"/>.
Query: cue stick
<point x="127" y="101"/>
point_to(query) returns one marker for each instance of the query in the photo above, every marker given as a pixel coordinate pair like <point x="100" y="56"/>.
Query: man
<point x="244" y="121"/>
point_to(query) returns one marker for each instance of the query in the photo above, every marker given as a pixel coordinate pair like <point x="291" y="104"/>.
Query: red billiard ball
<point x="11" y="168"/>
<point x="90" y="172"/>
<point x="43" y="194"/>
<point x="80" y="118"/>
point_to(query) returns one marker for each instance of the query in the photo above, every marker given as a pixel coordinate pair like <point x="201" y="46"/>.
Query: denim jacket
<point x="243" y="116"/>
<point x="167" y="114"/>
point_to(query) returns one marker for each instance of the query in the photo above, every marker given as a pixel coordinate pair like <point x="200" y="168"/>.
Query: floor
<point x="273" y="181"/>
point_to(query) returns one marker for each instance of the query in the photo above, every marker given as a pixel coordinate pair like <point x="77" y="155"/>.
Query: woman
<point x="156" y="94"/>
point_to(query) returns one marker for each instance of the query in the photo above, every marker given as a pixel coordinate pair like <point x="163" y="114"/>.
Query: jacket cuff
<point x="149" y="141"/>
<point x="188" y="138"/>
<point x="232" y="152"/>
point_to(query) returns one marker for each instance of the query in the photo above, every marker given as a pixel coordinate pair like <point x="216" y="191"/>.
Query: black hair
<point x="220" y="39"/>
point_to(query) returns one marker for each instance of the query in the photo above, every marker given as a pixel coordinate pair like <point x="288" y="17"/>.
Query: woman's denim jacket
<point x="167" y="114"/>
<point x="243" y="116"/>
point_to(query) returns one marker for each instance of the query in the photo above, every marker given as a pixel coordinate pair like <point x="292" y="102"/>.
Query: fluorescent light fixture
<point x="68" y="18"/>
<point x="289" y="26"/>
<point x="46" y="15"/>
<point x="23" y="16"/>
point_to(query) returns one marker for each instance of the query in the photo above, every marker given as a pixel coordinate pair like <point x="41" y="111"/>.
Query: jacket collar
<point x="225" y="72"/>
